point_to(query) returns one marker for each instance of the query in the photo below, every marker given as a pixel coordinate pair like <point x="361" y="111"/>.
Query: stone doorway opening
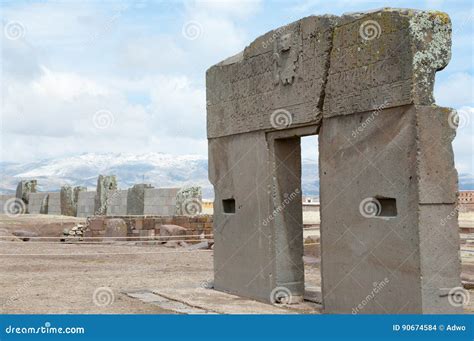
<point x="297" y="266"/>
<point x="311" y="218"/>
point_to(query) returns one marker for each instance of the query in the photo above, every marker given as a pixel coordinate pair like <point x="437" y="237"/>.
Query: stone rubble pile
<point x="76" y="232"/>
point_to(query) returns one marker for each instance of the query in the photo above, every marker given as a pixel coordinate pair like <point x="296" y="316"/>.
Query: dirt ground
<point x="55" y="278"/>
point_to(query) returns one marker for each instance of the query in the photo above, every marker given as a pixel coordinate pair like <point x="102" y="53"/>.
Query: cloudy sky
<point x="115" y="76"/>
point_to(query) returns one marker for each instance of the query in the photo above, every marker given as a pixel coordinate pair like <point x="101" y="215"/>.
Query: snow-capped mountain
<point x="158" y="169"/>
<point x="161" y="170"/>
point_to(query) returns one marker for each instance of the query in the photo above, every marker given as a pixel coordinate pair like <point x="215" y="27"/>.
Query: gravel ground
<point x="57" y="278"/>
<point x="62" y="278"/>
<point x="39" y="277"/>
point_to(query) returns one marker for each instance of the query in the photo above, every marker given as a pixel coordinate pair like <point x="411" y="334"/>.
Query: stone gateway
<point x="363" y="83"/>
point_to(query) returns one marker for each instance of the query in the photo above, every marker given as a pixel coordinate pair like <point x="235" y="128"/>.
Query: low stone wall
<point x="149" y="226"/>
<point x="107" y="200"/>
<point x="54" y="203"/>
<point x="117" y="204"/>
<point x="86" y="204"/>
<point x="466" y="201"/>
<point x="160" y="201"/>
<point x="38" y="203"/>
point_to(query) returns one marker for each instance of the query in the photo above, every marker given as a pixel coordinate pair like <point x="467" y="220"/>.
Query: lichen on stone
<point x="431" y="34"/>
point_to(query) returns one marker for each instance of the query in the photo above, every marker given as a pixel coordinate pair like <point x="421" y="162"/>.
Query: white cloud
<point x="157" y="54"/>
<point x="66" y="86"/>
<point x="55" y="79"/>
<point x="53" y="115"/>
<point x="179" y="108"/>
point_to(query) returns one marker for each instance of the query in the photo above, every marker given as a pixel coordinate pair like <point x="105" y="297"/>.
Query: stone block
<point x="96" y="224"/>
<point x="106" y="184"/>
<point x="38" y="203"/>
<point x="386" y="58"/>
<point x="115" y="229"/>
<point x="277" y="81"/>
<point x="169" y="232"/>
<point x="24" y="188"/>
<point x="136" y="199"/>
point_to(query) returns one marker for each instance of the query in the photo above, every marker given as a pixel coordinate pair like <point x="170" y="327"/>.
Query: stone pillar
<point x="275" y="84"/>
<point x="67" y="201"/>
<point x="386" y="168"/>
<point x="77" y="190"/>
<point x="69" y="198"/>
<point x="23" y="190"/>
<point x="136" y="199"/>
<point x="105" y="184"/>
<point x="244" y="250"/>
<point x="384" y="194"/>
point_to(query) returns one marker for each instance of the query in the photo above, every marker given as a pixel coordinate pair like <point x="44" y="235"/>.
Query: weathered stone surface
<point x="54" y="203"/>
<point x="38" y="203"/>
<point x="439" y="257"/>
<point x="77" y="190"/>
<point x="387" y="177"/>
<point x="243" y="256"/>
<point x="68" y="204"/>
<point x="105" y="184"/>
<point x="86" y="203"/>
<point x="278" y="80"/>
<point x="386" y="58"/>
<point x="438" y="177"/>
<point x="115" y="229"/>
<point x="117" y="203"/>
<point x="169" y="230"/>
<point x="136" y="199"/>
<point x="24" y="189"/>
<point x="160" y="201"/>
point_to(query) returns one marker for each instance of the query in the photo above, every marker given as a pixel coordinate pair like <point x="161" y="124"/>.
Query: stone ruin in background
<point x="107" y="200"/>
<point x="363" y="83"/>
